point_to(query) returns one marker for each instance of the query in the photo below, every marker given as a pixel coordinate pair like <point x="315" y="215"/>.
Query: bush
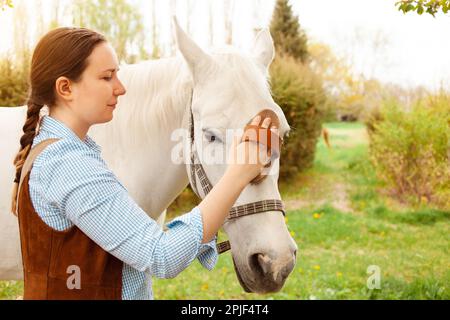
<point x="13" y="83"/>
<point x="411" y="150"/>
<point x="298" y="91"/>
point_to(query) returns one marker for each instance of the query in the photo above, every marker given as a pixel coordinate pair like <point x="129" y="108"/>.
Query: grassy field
<point x="342" y="224"/>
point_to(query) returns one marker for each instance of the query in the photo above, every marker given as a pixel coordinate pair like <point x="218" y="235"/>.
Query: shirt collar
<point x="59" y="129"/>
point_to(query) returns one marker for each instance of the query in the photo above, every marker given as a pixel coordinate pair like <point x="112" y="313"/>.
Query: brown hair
<point x="61" y="52"/>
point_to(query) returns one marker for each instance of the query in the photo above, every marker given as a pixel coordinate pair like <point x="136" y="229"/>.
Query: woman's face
<point x="95" y="95"/>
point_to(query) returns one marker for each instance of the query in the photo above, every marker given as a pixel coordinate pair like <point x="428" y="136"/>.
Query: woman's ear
<point x="64" y="90"/>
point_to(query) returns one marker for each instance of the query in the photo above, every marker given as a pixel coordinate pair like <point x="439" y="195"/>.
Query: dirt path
<point x="330" y="188"/>
<point x="338" y="198"/>
<point x="348" y="137"/>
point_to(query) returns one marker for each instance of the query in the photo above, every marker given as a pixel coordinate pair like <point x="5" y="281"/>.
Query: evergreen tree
<point x="289" y="38"/>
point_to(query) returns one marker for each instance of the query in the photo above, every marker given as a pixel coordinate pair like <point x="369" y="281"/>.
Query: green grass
<point x="336" y="247"/>
<point x="344" y="125"/>
<point x="10" y="290"/>
<point x="409" y="245"/>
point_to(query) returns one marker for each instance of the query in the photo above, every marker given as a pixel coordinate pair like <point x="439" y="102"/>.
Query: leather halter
<point x="197" y="172"/>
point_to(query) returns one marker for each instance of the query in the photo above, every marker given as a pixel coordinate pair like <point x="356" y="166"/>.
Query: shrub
<point x="411" y="150"/>
<point x="298" y="91"/>
<point x="13" y="83"/>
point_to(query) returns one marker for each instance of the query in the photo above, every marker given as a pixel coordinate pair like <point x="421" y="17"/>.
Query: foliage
<point x="332" y="71"/>
<point x="300" y="94"/>
<point x="125" y="34"/>
<point x="349" y="97"/>
<point x="288" y="37"/>
<point x="420" y="6"/>
<point x="119" y="21"/>
<point x="296" y="89"/>
<point x="335" y="246"/>
<point x="411" y="150"/>
<point x="13" y="82"/>
<point x="6" y="4"/>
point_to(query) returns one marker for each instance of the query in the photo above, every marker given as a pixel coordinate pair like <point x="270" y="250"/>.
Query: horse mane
<point x="158" y="90"/>
<point x="156" y="93"/>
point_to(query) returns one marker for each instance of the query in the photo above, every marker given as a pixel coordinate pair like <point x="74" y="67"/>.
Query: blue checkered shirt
<point x="70" y="184"/>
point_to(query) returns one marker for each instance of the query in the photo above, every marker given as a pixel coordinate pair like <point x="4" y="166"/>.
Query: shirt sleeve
<point x="207" y="253"/>
<point x="79" y="183"/>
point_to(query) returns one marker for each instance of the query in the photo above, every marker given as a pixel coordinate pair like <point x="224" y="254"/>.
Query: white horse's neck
<point x="137" y="143"/>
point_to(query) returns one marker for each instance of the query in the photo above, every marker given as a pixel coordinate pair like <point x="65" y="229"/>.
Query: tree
<point x="6" y="4"/>
<point x="299" y="93"/>
<point x="58" y="8"/>
<point x="228" y="13"/>
<point x="289" y="38"/>
<point x="332" y="69"/>
<point x="257" y="13"/>
<point x="349" y="96"/>
<point x="15" y="66"/>
<point x="156" y="50"/>
<point x="13" y="82"/>
<point x="190" y="7"/>
<point x="420" y="6"/>
<point x="118" y="20"/>
<point x="210" y="23"/>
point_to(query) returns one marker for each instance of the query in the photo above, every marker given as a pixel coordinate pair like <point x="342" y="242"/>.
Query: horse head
<point x="229" y="89"/>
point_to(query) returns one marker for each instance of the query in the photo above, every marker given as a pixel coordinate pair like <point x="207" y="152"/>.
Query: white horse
<point x="229" y="88"/>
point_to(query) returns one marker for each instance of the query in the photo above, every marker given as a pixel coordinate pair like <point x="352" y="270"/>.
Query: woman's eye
<point x="108" y="78"/>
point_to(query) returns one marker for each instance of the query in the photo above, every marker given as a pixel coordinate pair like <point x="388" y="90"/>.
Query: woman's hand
<point x="247" y="159"/>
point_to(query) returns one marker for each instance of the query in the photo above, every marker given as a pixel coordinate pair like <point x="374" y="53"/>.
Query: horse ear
<point x="264" y="49"/>
<point x="197" y="60"/>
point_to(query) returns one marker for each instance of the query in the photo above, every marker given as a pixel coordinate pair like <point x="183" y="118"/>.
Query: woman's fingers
<point x="266" y="123"/>
<point x="262" y="154"/>
<point x="256" y="120"/>
<point x="274" y="129"/>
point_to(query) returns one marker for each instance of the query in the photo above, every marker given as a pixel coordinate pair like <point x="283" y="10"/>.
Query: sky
<point x="379" y="40"/>
<point x="416" y="50"/>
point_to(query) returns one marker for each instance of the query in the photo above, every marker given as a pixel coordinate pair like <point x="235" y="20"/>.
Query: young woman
<point x="82" y="236"/>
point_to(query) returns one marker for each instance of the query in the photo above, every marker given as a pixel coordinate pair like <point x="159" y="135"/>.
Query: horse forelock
<point x="246" y="77"/>
<point x="248" y="84"/>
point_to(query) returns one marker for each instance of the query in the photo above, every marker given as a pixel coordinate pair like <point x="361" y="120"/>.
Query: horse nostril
<point x="265" y="263"/>
<point x="260" y="263"/>
<point x="269" y="268"/>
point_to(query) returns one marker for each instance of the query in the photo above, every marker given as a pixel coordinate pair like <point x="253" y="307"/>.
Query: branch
<point x="420" y="6"/>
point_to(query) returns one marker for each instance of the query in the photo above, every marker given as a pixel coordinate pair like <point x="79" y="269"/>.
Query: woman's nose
<point x="120" y="90"/>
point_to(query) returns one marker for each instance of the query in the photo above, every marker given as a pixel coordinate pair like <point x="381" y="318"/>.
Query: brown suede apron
<point x="62" y="265"/>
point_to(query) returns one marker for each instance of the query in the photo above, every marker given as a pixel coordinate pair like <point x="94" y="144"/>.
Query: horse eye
<point x="212" y="136"/>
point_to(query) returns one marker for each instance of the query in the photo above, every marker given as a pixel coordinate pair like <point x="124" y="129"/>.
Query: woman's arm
<point x="75" y="181"/>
